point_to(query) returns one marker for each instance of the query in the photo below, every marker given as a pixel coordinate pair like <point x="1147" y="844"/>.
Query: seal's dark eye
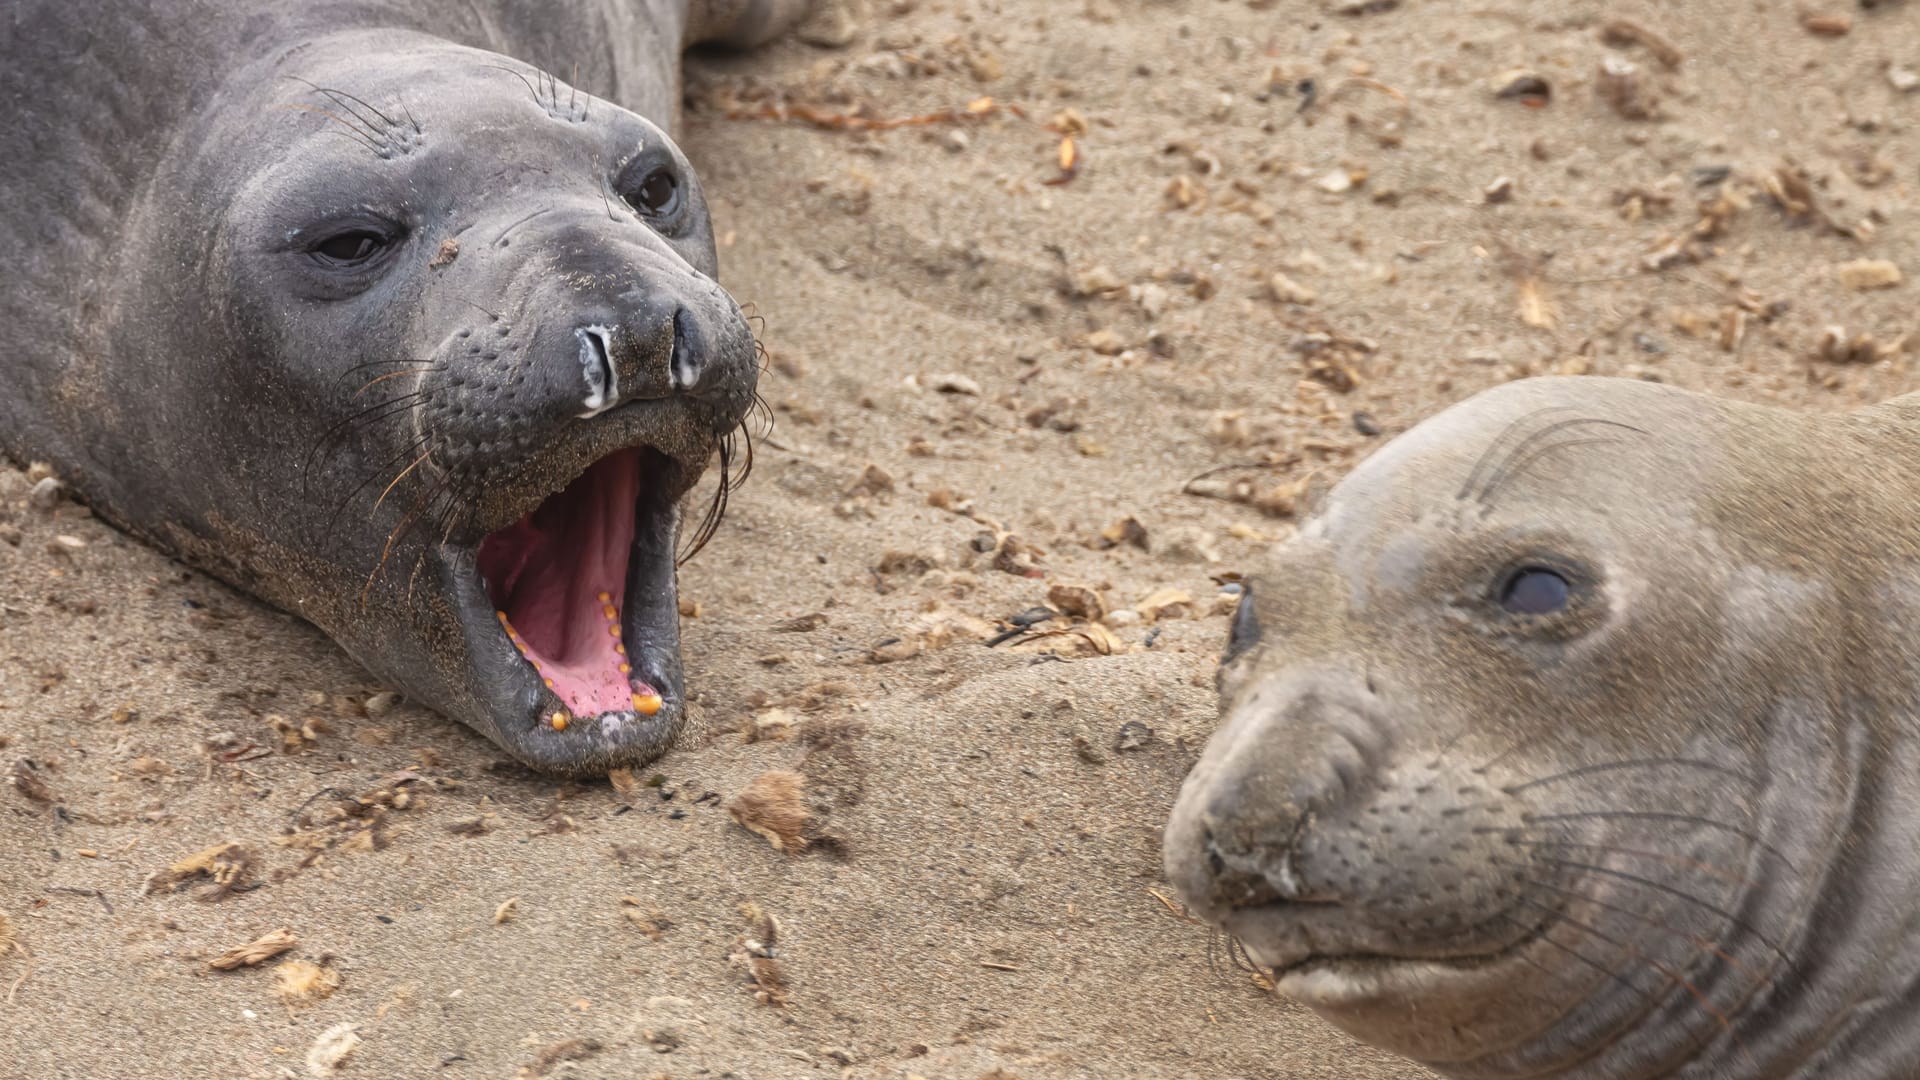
<point x="1535" y="590"/>
<point x="350" y="248"/>
<point x="657" y="194"/>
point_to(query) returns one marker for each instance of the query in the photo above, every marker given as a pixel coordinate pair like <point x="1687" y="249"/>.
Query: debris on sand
<point x="10" y="943"/>
<point x="303" y="982"/>
<point x="1077" y="601"/>
<point x="649" y="921"/>
<point x="1524" y="86"/>
<point x="24" y="780"/>
<point x="774" y="806"/>
<point x="265" y="947"/>
<point x="1863" y="274"/>
<point x="1621" y="86"/>
<point x="755" y="950"/>
<point x="1623" y="32"/>
<point x="508" y="908"/>
<point x="1128" y="531"/>
<point x="556" y="1054"/>
<point x="1827" y="25"/>
<point x="226" y="866"/>
<point x="1838" y="347"/>
<point x="330" y="1051"/>
<point x="625" y="786"/>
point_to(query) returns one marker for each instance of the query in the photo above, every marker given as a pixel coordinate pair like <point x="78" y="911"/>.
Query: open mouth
<point x="583" y="585"/>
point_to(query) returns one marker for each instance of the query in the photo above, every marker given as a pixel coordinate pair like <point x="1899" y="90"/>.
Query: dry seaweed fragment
<point x="756" y="951"/>
<point x="265" y="947"/>
<point x="9" y="942"/>
<point x="226" y="866"/>
<point x="29" y="785"/>
<point x="774" y="806"/>
<point x="302" y="982"/>
<point x="1069" y="158"/>
<point x="330" y="1051"/>
<point x="558" y="1054"/>
<point x="1628" y="32"/>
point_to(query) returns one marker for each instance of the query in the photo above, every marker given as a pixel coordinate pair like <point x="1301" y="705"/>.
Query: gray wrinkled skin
<point x="1665" y="830"/>
<point x="170" y="343"/>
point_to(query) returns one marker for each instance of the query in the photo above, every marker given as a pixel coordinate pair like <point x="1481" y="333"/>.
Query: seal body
<point x="1578" y="735"/>
<point x="360" y="308"/>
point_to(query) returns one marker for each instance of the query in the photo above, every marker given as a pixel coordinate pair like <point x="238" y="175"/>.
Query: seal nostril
<point x="684" y="365"/>
<point x="596" y="369"/>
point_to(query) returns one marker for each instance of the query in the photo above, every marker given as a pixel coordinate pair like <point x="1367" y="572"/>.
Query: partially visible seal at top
<point x="359" y="309"/>
<point x="1578" y="736"/>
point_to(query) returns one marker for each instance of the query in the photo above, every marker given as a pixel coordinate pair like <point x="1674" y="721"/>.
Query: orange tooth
<point x="549" y="683"/>
<point x="614" y="629"/>
<point x="619" y="648"/>
<point x="606" y="598"/>
<point x="501" y="615"/>
<point x="609" y="612"/>
<point x="648" y="704"/>
<point x="625" y="668"/>
<point x="559" y="721"/>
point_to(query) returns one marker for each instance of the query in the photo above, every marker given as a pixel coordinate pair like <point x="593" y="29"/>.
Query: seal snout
<point x="1312" y="833"/>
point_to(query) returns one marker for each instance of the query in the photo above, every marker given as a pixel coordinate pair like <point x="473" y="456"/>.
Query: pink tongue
<point x="557" y="576"/>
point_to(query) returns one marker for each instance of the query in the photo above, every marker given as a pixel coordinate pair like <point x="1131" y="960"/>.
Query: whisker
<point x="389" y="360"/>
<point x="392" y="538"/>
<point x="372" y="143"/>
<point x="1507" y="468"/>
<point x="1705" y="944"/>
<point x="1634" y="763"/>
<point x="336" y="95"/>
<point x="396" y="481"/>
<point x="1678" y="894"/>
<point x="1706" y="1003"/>
<point x="445" y="517"/>
<point x="384" y="378"/>
<point x="1518" y="745"/>
<point x="516" y="224"/>
<point x="518" y="75"/>
<point x="1546" y="935"/>
<point x="341" y="507"/>
<point x="722" y="492"/>
<point x="477" y="307"/>
<point x="1520" y="465"/>
<point x="1715" y="870"/>
<point x="392" y="406"/>
<point x="1498" y="446"/>
<point x="1663" y="815"/>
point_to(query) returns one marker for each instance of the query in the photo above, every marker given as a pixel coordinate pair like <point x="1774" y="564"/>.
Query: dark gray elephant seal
<point x="354" y="307"/>
<point x="1578" y="735"/>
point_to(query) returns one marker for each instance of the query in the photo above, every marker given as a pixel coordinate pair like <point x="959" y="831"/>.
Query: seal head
<point x="457" y="324"/>
<point x="1546" y="747"/>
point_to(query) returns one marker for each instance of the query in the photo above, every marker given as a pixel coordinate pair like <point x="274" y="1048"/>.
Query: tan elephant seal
<point x="1577" y="736"/>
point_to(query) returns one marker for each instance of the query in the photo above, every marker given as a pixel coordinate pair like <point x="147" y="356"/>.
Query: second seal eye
<point x="657" y="194"/>
<point x="1535" y="590"/>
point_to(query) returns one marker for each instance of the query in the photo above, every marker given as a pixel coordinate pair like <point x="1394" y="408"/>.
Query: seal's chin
<point x="574" y="584"/>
